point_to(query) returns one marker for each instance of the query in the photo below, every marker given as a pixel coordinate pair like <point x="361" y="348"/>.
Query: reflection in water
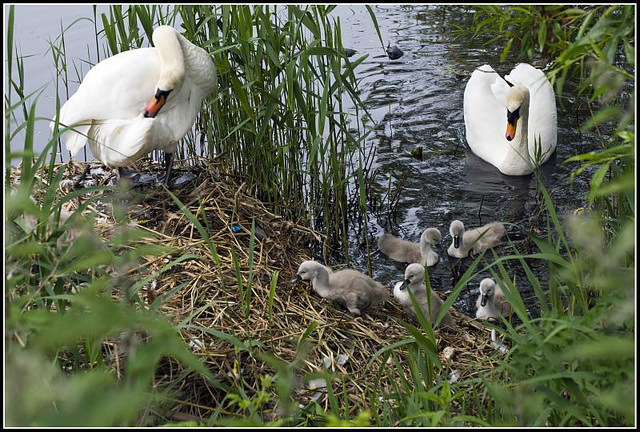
<point x="484" y="179"/>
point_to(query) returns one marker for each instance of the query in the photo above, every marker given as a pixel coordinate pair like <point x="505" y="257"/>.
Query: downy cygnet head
<point x="413" y="275"/>
<point x="487" y="290"/>
<point x="307" y="271"/>
<point x="431" y="236"/>
<point x="456" y="229"/>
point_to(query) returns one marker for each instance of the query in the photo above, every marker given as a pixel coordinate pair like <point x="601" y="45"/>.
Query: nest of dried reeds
<point x="212" y="299"/>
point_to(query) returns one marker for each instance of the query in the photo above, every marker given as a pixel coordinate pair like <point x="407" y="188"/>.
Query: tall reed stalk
<point x="277" y="118"/>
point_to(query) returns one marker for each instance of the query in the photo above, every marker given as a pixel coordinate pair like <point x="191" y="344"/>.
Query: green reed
<point x="276" y="117"/>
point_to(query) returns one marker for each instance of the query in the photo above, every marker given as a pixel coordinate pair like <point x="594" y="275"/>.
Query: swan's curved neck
<point x="425" y="249"/>
<point x="517" y="159"/>
<point x="172" y="61"/>
<point x="199" y="64"/>
<point x="321" y="280"/>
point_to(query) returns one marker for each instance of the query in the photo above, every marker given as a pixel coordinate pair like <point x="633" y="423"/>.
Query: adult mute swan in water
<point x="504" y="122"/>
<point x="140" y="100"/>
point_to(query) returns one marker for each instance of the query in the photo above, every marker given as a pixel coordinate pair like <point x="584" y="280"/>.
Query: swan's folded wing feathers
<point x="527" y="75"/>
<point x="499" y="89"/>
<point x="76" y="138"/>
<point x="119" y="143"/>
<point x="118" y="86"/>
<point x="482" y="115"/>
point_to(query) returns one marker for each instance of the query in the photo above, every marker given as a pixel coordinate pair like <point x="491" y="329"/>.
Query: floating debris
<point x="99" y="171"/>
<point x="497" y="345"/>
<point x="342" y="359"/>
<point x="455" y="72"/>
<point x="66" y="184"/>
<point x="145" y="179"/>
<point x="394" y="52"/>
<point x="349" y="52"/>
<point x="196" y="343"/>
<point x="454" y="376"/>
<point x="327" y="361"/>
<point x="183" y="179"/>
<point x="448" y="353"/>
<point x="316" y="383"/>
<point x="259" y="233"/>
<point x="234" y="372"/>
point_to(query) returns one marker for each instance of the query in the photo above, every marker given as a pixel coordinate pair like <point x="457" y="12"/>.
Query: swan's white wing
<point x="500" y="88"/>
<point x="118" y="142"/>
<point x="117" y="88"/>
<point x="543" y="116"/>
<point x="485" y="117"/>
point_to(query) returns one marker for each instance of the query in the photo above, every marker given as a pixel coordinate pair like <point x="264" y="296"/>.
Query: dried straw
<point x="210" y="299"/>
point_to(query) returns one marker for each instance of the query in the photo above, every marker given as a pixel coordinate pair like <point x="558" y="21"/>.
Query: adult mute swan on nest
<point x="504" y="120"/>
<point x="140" y="100"/>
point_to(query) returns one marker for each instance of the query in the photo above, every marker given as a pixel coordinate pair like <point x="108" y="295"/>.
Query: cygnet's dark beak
<point x="456" y="241"/>
<point x="483" y="300"/>
<point x="296" y="278"/>
<point x="405" y="284"/>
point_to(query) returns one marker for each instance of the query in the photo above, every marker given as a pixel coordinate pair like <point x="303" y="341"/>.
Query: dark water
<point x="417" y="101"/>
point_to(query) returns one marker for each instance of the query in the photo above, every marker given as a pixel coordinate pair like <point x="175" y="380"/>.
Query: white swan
<point x="475" y="239"/>
<point x="414" y="279"/>
<point x="350" y="288"/>
<point x="406" y="251"/>
<point x="140" y="100"/>
<point x="491" y="302"/>
<point x="503" y="123"/>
